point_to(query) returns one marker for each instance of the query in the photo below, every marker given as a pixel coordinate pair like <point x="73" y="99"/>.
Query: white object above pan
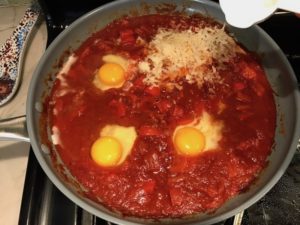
<point x="245" y="13"/>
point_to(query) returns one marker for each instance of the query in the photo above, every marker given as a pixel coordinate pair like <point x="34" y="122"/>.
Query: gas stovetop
<point x="44" y="204"/>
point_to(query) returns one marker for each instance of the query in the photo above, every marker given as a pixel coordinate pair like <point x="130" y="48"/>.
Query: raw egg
<point x="189" y="141"/>
<point x="106" y="151"/>
<point x="202" y="134"/>
<point x="112" y="73"/>
<point x="113" y="146"/>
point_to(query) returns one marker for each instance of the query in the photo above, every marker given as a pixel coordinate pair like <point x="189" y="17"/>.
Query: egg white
<point x="125" y="135"/>
<point x="110" y="58"/>
<point x="211" y="129"/>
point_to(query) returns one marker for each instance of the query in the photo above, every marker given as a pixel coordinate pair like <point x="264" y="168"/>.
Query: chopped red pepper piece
<point x="178" y="112"/>
<point x="149" y="186"/>
<point x="258" y="88"/>
<point x="164" y="105"/>
<point x="239" y="86"/>
<point x="248" y="72"/>
<point x="119" y="107"/>
<point x="243" y="97"/>
<point x="179" y="165"/>
<point x="127" y="37"/>
<point x="154" y="91"/>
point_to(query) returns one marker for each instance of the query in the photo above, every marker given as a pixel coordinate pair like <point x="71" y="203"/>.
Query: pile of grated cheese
<point x="195" y="54"/>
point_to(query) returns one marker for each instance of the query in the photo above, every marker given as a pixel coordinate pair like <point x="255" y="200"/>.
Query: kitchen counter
<point x="14" y="155"/>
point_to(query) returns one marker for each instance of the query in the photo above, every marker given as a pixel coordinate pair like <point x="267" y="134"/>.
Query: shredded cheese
<point x="194" y="54"/>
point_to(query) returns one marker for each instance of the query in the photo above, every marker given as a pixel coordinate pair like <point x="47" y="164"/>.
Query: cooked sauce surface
<point x="234" y="112"/>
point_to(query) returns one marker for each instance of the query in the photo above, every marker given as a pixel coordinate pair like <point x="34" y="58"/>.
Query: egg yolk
<point x="111" y="74"/>
<point x="106" y="151"/>
<point x="189" y="141"/>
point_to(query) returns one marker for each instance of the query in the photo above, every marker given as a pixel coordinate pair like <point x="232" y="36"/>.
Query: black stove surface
<point x="44" y="204"/>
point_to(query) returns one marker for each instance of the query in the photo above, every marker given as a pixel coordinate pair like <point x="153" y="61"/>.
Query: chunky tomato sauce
<point x="154" y="181"/>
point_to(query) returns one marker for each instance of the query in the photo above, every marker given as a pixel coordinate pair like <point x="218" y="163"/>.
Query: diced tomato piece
<point x="176" y="196"/>
<point x="154" y="91"/>
<point x="149" y="131"/>
<point x="77" y="111"/>
<point x="127" y="37"/>
<point x="119" y="107"/>
<point x="149" y="186"/>
<point x="133" y="98"/>
<point x="179" y="165"/>
<point x="152" y="162"/>
<point x="138" y="83"/>
<point x="178" y="112"/>
<point x="121" y="110"/>
<point x="104" y="45"/>
<point x="258" y="88"/>
<point x="240" y="96"/>
<point x="239" y="86"/>
<point x="164" y="105"/>
<point x="248" y="72"/>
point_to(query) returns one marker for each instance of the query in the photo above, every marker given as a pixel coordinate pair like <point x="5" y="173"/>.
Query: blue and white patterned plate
<point x="12" y="53"/>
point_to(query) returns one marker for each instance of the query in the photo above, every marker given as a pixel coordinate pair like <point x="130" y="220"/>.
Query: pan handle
<point x="14" y="129"/>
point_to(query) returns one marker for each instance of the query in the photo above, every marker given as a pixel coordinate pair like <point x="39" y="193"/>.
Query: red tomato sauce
<point x="154" y="181"/>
